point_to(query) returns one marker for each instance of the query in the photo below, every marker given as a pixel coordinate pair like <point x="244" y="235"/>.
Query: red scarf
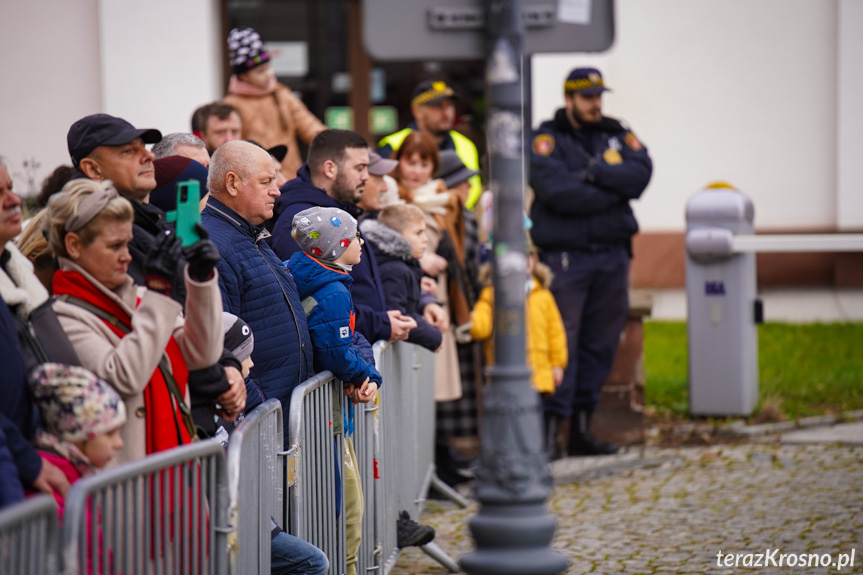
<point x="163" y="417"/>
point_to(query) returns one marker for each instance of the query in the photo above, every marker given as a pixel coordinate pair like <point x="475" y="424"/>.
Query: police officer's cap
<point x="587" y="81"/>
<point x="430" y="92"/>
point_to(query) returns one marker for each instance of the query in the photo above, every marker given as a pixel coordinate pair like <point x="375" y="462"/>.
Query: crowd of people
<point x="123" y="337"/>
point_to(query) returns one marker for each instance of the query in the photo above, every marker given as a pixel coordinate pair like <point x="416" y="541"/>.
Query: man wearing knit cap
<point x="272" y="115"/>
<point x="433" y="109"/>
<point x="585" y="168"/>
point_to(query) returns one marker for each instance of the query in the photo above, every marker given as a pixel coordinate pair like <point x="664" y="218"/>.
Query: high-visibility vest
<point x="464" y="148"/>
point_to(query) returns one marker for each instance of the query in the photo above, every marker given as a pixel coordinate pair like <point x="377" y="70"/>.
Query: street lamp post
<point x="512" y="530"/>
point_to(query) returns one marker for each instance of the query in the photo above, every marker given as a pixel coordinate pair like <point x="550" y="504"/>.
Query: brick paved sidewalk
<point x="670" y="511"/>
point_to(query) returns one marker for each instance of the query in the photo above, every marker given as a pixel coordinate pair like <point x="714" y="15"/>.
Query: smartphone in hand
<point x="188" y="213"/>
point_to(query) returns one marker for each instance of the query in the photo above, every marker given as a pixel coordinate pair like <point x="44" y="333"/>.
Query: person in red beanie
<point x="169" y="172"/>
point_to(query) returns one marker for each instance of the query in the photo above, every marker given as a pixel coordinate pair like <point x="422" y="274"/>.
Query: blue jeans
<point x="293" y="556"/>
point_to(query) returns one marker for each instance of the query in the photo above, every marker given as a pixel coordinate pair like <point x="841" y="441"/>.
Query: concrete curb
<point x="740" y="429"/>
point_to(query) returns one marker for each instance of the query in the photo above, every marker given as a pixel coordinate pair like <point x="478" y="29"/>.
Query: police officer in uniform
<point x="433" y="109"/>
<point x="585" y="168"/>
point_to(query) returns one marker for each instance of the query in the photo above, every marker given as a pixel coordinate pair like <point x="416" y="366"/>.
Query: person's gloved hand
<point x="160" y="265"/>
<point x="202" y="256"/>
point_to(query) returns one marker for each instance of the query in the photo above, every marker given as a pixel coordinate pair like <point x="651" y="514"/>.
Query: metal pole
<point x="512" y="530"/>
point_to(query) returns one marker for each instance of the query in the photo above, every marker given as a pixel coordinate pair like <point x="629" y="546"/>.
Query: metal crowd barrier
<point x="407" y="436"/>
<point x="315" y="513"/>
<point x="28" y="537"/>
<point x="256" y="476"/>
<point x="166" y="514"/>
<point x="367" y="423"/>
<point x="122" y="520"/>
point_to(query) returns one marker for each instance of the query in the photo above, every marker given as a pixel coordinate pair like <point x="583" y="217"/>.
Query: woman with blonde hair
<point x="133" y="337"/>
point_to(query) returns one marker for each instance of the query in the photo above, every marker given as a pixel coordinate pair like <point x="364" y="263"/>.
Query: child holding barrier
<point x="331" y="245"/>
<point x="289" y="555"/>
<point x="398" y="239"/>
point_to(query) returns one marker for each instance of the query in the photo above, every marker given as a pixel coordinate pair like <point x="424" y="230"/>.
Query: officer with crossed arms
<point x="585" y="169"/>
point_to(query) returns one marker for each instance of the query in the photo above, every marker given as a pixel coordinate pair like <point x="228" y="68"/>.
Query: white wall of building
<point x="160" y="60"/>
<point x="49" y="73"/>
<point x="150" y="62"/>
<point x="736" y="90"/>
<point x="850" y="117"/>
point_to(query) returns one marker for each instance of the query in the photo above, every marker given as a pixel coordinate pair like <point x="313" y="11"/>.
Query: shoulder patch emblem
<point x="543" y="144"/>
<point x="344" y="332"/>
<point x="633" y="142"/>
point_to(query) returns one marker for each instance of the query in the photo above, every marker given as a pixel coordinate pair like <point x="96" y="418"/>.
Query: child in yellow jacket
<point x="545" y="338"/>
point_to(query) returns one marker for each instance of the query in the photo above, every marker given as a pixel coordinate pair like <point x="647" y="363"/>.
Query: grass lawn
<point x="808" y="369"/>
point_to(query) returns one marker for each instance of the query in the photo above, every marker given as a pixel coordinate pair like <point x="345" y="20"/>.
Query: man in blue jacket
<point x="585" y="168"/>
<point x="255" y="284"/>
<point x="335" y="176"/>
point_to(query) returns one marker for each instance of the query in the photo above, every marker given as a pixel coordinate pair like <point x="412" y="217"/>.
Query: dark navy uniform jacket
<point x="583" y="181"/>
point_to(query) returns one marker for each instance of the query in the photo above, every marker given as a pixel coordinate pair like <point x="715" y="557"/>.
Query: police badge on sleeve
<point x="633" y="142"/>
<point x="543" y="144"/>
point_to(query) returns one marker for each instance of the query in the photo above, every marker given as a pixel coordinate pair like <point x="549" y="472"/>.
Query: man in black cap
<point x="585" y="168"/>
<point x="104" y="147"/>
<point x="433" y="109"/>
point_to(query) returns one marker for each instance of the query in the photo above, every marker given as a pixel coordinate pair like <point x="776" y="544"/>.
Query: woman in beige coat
<point x="271" y="114"/>
<point x="133" y="337"/>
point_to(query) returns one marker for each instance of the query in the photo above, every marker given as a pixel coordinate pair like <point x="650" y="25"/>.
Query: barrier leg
<point x="447" y="491"/>
<point x="436" y="553"/>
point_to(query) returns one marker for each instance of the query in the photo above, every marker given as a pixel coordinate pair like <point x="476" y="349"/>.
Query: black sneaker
<point x="409" y="533"/>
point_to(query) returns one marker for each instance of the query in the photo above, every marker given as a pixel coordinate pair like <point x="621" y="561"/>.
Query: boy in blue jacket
<point x="331" y="245"/>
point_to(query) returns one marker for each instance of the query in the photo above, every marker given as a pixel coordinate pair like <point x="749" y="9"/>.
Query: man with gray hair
<point x="255" y="284"/>
<point x="182" y="144"/>
<point x="257" y="287"/>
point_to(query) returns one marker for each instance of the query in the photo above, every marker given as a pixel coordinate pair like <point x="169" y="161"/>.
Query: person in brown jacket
<point x="271" y="114"/>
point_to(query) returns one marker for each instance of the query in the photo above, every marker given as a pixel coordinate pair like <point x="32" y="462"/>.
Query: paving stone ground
<point x="670" y="511"/>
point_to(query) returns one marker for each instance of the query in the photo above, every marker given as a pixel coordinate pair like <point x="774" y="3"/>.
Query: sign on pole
<point x="455" y="29"/>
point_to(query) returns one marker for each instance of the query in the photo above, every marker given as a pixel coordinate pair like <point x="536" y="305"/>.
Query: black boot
<point x="582" y="441"/>
<point x="552" y="447"/>
<point x="409" y="533"/>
